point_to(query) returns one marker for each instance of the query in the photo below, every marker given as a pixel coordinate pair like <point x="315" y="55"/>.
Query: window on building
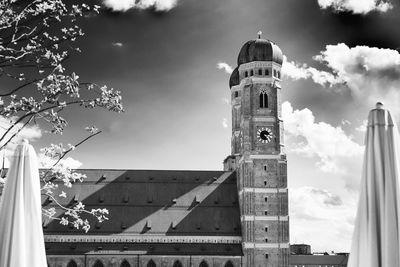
<point x="203" y="264"/>
<point x="260" y="72"/>
<point x="266" y="72"/>
<point x="98" y="263"/>
<point x="279" y="74"/>
<point x="177" y="264"/>
<point x="274" y="73"/>
<point x="266" y="229"/>
<point x="251" y="72"/>
<point x="149" y="198"/>
<point x="266" y="240"/>
<point x="266" y="256"/>
<point x="228" y="264"/>
<point x="265" y="212"/>
<point x="263" y="100"/>
<point x="246" y="74"/>
<point x="236" y="94"/>
<point x="126" y="198"/>
<point x="265" y="167"/>
<point x="125" y="263"/>
<point x="266" y="199"/>
<point x="265" y="183"/>
<point x="72" y="263"/>
<point x="151" y="263"/>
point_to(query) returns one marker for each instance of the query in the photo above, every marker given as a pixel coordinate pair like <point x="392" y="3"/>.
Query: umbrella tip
<point x="379" y="105"/>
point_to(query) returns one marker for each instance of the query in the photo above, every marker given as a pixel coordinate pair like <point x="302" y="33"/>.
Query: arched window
<point x="151" y="263"/>
<point x="251" y="72"/>
<point x="279" y="74"/>
<point x="274" y="73"/>
<point x="228" y="264"/>
<point x="266" y="72"/>
<point x="72" y="263"/>
<point x="203" y="264"/>
<point x="125" y="263"/>
<point x="260" y="72"/>
<point x="177" y="264"/>
<point x="263" y="100"/>
<point x="246" y="74"/>
<point x="98" y="263"/>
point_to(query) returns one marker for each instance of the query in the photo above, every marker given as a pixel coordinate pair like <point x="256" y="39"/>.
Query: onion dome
<point x="234" y="79"/>
<point x="260" y="50"/>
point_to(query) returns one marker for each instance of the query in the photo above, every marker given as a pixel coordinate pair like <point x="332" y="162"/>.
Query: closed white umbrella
<point x="376" y="233"/>
<point x="21" y="234"/>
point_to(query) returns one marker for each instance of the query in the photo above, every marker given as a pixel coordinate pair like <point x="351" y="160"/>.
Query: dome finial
<point x="379" y="105"/>
<point x="259" y="34"/>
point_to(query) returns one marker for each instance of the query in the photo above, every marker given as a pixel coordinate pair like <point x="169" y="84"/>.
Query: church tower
<point x="258" y="154"/>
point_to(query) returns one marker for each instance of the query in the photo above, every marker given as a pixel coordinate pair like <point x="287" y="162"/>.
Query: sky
<point x="171" y="60"/>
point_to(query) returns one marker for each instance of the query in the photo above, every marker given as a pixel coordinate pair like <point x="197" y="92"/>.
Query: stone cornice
<point x="142" y="239"/>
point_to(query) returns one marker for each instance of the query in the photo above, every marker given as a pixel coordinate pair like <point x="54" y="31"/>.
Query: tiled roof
<point x="330" y="260"/>
<point x="150" y="203"/>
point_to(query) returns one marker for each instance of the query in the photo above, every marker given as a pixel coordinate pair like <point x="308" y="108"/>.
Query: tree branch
<point x="19" y="87"/>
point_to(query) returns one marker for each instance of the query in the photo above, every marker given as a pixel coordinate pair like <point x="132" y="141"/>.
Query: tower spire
<point x="259" y="34"/>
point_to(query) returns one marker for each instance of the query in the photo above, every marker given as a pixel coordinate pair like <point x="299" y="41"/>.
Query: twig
<point x="67" y="151"/>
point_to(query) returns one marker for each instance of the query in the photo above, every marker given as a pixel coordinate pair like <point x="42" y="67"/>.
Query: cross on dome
<point x="259" y="34"/>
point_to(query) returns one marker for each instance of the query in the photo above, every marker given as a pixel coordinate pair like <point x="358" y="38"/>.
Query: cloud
<point x="356" y="6"/>
<point x="321" y="218"/>
<point x="28" y="132"/>
<point x="46" y="162"/>
<point x="330" y="145"/>
<point x="226" y="100"/>
<point x="345" y="122"/>
<point x="328" y="198"/>
<point x="363" y="127"/>
<point x="118" y="44"/>
<point x="225" y="66"/>
<point x="125" y="5"/>
<point x="225" y="122"/>
<point x="370" y="74"/>
<point x="296" y="71"/>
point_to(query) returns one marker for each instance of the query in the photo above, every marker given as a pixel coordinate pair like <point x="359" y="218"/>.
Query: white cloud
<point x="118" y="44"/>
<point x="225" y="122"/>
<point x="46" y="162"/>
<point x="296" y="71"/>
<point x="125" y="5"/>
<point x="329" y="145"/>
<point x="226" y="100"/>
<point x="356" y="6"/>
<point x="71" y="163"/>
<point x="28" y="132"/>
<point x="321" y="218"/>
<point x="225" y="66"/>
<point x="345" y="122"/>
<point x="363" y="127"/>
<point x="370" y="74"/>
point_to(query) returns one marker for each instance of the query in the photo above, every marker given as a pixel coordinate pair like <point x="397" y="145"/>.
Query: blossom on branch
<point x="36" y="39"/>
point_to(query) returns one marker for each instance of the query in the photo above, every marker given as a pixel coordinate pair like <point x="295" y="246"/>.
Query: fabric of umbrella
<point x="21" y="234"/>
<point x="376" y="234"/>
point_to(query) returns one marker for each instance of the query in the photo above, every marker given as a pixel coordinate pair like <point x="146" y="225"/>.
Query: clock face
<point x="264" y="135"/>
